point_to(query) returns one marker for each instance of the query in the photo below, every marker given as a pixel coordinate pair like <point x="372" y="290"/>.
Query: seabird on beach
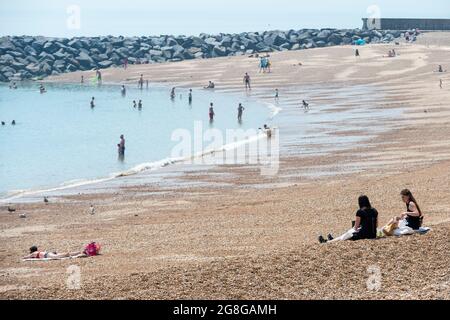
<point x="46" y="200"/>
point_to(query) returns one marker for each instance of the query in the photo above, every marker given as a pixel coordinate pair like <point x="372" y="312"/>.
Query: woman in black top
<point x="366" y="223"/>
<point x="413" y="214"/>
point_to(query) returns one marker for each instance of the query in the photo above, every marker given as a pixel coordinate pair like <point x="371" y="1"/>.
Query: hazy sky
<point x="154" y="17"/>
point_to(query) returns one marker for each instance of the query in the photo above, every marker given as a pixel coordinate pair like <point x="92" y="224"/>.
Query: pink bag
<point x="92" y="249"/>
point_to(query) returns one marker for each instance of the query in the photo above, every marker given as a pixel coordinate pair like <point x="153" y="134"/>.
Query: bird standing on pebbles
<point x="92" y="210"/>
<point x="46" y="200"/>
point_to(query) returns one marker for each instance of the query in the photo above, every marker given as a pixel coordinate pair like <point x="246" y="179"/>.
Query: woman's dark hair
<point x="33" y="249"/>
<point x="407" y="193"/>
<point x="364" y="202"/>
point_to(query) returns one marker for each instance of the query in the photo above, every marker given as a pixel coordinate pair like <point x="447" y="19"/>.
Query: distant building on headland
<point x="406" y="24"/>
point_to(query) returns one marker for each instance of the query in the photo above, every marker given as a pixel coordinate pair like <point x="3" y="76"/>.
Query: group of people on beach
<point x="265" y="64"/>
<point x="366" y="222"/>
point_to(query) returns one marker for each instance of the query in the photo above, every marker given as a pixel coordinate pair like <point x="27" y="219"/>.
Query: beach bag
<point x="390" y="228"/>
<point x="92" y="249"/>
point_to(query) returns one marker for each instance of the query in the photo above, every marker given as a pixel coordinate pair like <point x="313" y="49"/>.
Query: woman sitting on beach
<point x="365" y="227"/>
<point x="413" y="214"/>
<point x="92" y="249"/>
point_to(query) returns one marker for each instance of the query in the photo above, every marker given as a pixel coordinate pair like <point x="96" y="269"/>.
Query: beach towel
<point x="54" y="259"/>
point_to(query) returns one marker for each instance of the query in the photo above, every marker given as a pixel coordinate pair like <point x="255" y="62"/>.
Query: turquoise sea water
<point x="58" y="139"/>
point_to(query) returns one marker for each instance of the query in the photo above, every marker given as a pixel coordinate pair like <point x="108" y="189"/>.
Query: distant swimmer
<point x="3" y="123"/>
<point x="13" y="122"/>
<point x="240" y="112"/>
<point x="211" y="112"/>
<point x="134" y="104"/>
<point x="13" y="86"/>
<point x="190" y="96"/>
<point x="93" y="103"/>
<point x="121" y="145"/>
<point x="42" y="89"/>
<point x="172" y="93"/>
<point x="305" y="105"/>
<point x="247" y="81"/>
<point x="140" y="105"/>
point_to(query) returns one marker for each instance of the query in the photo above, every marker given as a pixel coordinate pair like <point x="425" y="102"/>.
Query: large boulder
<point x="85" y="60"/>
<point x="105" y="64"/>
<point x="323" y="35"/>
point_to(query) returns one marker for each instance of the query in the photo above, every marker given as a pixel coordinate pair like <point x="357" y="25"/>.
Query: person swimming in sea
<point x="3" y="123"/>
<point x="172" y="93"/>
<point x="13" y="122"/>
<point x="93" y="103"/>
<point x="134" y="104"/>
<point x="140" y="105"/>
<point x="42" y="89"/>
<point x="13" y="86"/>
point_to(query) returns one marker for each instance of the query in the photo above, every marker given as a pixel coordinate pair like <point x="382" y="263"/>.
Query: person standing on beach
<point x="247" y="81"/>
<point x="99" y="76"/>
<point x="240" y="112"/>
<point x="211" y="112"/>
<point x="93" y="103"/>
<point x="357" y="53"/>
<point x="82" y="79"/>
<point x="277" y="94"/>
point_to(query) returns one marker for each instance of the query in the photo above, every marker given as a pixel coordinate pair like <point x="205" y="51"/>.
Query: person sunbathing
<point x="365" y="227"/>
<point x="92" y="249"/>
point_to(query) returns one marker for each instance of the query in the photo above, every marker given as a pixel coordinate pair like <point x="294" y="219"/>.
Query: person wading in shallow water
<point x="93" y="103"/>
<point x="240" y="112"/>
<point x="211" y="112"/>
<point x="121" y="146"/>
